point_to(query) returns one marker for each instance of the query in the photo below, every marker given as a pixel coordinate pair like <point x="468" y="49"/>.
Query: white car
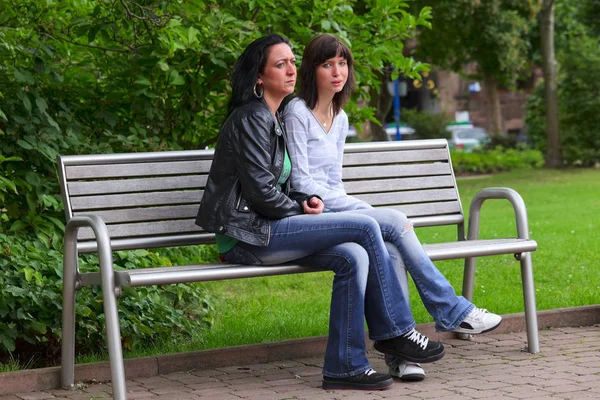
<point x="466" y="138"/>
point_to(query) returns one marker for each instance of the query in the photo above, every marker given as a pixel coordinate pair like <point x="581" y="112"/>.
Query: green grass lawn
<point x="564" y="213"/>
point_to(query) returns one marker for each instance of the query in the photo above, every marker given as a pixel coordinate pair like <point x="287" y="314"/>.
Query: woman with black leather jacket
<point x="259" y="221"/>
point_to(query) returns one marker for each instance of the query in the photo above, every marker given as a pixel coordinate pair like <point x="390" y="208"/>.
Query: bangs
<point x="330" y="49"/>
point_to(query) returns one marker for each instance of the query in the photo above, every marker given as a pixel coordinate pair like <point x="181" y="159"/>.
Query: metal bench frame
<point x="110" y="200"/>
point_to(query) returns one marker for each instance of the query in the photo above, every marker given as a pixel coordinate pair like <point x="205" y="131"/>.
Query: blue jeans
<point x="447" y="309"/>
<point x="366" y="282"/>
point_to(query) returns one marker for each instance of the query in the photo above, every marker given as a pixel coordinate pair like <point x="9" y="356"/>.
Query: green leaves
<point x="23" y="75"/>
<point x="91" y="77"/>
<point x="30" y="300"/>
<point x="175" y="79"/>
<point x="493" y="34"/>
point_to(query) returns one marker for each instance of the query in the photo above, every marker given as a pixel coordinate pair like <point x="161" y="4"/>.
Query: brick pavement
<point x="489" y="366"/>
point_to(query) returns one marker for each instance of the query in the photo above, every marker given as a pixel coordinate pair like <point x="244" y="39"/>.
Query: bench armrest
<point x="70" y="247"/>
<point x="109" y="293"/>
<point x="498" y="193"/>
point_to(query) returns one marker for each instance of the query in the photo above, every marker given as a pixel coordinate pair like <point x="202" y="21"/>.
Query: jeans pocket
<point x="239" y="255"/>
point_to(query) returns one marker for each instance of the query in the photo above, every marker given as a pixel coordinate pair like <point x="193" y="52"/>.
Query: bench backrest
<point x="151" y="199"/>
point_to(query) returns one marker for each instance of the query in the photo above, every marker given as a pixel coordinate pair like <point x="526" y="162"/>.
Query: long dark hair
<point x="248" y="66"/>
<point x="320" y="49"/>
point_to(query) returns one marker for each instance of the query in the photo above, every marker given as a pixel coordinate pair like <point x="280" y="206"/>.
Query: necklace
<point x="325" y="119"/>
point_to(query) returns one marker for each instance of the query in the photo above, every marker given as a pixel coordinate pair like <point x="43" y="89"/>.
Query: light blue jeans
<point x="365" y="285"/>
<point x="447" y="309"/>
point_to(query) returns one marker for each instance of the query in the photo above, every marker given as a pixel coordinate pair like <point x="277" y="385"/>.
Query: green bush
<point x="31" y="301"/>
<point x="495" y="160"/>
<point x="504" y="141"/>
<point x="427" y="126"/>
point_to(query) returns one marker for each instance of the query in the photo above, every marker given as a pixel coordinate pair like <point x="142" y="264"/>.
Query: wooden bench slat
<point x="147" y="214"/>
<point x="126" y="228"/>
<point x="145" y="229"/>
<point x="415" y="196"/>
<point x="135" y="200"/>
<point x="397" y="184"/>
<point x="384" y="171"/>
<point x="426" y="209"/>
<point x="137" y="169"/>
<point x="389" y="157"/>
<point x="81" y="188"/>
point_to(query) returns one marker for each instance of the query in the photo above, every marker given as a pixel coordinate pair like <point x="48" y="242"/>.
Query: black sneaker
<point x="369" y="380"/>
<point x="412" y="346"/>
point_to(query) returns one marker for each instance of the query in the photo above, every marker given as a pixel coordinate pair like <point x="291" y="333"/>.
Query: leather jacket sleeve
<point x="255" y="153"/>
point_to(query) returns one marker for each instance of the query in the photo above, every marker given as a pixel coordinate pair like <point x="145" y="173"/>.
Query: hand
<point x="315" y="206"/>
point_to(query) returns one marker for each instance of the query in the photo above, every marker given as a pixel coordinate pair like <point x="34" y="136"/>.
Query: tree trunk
<point x="381" y="102"/>
<point x="553" y="151"/>
<point x="494" y="110"/>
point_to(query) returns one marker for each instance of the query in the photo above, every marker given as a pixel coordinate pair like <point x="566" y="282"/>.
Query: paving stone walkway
<point x="489" y="366"/>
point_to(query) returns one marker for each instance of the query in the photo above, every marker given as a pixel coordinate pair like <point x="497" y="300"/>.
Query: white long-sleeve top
<point x="317" y="156"/>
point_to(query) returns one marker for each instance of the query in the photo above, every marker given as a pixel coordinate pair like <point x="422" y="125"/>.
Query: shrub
<point x="31" y="301"/>
<point x="504" y="141"/>
<point x="495" y="160"/>
<point x="427" y="126"/>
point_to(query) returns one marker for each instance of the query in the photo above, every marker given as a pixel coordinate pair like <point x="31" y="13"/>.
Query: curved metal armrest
<point x="71" y="283"/>
<point x="498" y="193"/>
<point x="102" y="238"/>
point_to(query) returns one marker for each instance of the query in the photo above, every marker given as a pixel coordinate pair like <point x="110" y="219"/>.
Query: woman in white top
<point x="317" y="126"/>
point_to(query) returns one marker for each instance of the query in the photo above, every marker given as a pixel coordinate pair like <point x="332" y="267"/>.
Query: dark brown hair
<point x="247" y="68"/>
<point x="320" y="49"/>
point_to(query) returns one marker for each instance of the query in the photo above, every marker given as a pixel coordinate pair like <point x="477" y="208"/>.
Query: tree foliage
<point x="81" y="76"/>
<point x="578" y="54"/>
<point x="492" y="35"/>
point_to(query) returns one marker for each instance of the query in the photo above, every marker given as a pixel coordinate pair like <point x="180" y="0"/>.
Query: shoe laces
<point x="370" y="372"/>
<point x="418" y="338"/>
<point x="478" y="313"/>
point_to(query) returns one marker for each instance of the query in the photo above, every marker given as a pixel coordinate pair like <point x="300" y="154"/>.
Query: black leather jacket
<point x="241" y="193"/>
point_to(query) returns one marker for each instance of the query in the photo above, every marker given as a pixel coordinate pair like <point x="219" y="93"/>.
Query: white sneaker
<point x="408" y="371"/>
<point x="479" y="320"/>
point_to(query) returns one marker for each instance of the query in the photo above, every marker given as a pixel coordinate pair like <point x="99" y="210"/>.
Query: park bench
<point x="149" y="200"/>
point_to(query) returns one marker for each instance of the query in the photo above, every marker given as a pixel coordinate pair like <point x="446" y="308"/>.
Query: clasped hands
<point x="314" y="205"/>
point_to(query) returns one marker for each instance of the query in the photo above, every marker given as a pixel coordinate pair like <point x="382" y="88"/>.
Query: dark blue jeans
<point x="366" y="282"/>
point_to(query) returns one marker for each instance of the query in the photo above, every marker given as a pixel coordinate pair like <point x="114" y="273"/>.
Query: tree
<point x="553" y="150"/>
<point x="577" y="50"/>
<point x="82" y="77"/>
<point x="492" y="35"/>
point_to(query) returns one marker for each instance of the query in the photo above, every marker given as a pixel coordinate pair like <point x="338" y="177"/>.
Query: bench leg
<point x="533" y="342"/>
<point x="531" y="325"/>
<point x="113" y="332"/>
<point x="67" y="374"/>
<point x="469" y="278"/>
<point x="468" y="285"/>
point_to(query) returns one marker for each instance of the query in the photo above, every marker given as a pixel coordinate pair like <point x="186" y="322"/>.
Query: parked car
<point x="467" y="138"/>
<point x="390" y="129"/>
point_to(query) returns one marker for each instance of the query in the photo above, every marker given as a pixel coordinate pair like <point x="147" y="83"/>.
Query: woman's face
<point x="331" y="76"/>
<point x="279" y="74"/>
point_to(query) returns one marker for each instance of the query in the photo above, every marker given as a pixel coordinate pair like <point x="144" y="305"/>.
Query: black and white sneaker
<point x="479" y="320"/>
<point x="412" y="346"/>
<point x="369" y="380"/>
